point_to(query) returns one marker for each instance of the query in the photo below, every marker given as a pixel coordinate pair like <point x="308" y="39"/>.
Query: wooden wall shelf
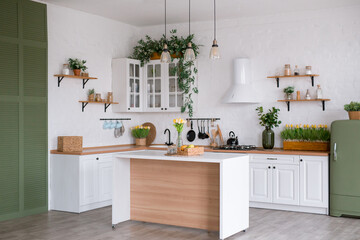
<point x="106" y="104"/>
<point x="304" y="100"/>
<point x="294" y="76"/>
<point x="61" y="77"/>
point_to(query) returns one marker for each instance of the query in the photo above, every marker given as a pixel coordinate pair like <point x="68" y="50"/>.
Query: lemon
<point x="183" y="147"/>
<point x="191" y="146"/>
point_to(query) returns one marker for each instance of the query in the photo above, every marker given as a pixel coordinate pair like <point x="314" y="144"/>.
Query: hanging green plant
<point x="185" y="70"/>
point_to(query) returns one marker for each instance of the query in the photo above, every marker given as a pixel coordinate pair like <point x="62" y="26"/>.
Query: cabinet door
<point x="285" y="184"/>
<point x="260" y="182"/>
<point x="175" y="96"/>
<point x="134" y="86"/>
<point x="88" y="180"/>
<point x="154" y="87"/>
<point x="314" y="181"/>
<point x="105" y="178"/>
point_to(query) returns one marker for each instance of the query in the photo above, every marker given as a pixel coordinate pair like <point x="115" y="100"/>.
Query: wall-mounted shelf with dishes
<point x="304" y="100"/>
<point x="311" y="76"/>
<point x="85" y="79"/>
<point x="106" y="104"/>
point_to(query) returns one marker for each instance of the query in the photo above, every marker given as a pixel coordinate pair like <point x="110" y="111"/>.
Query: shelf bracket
<point x="84" y="82"/>
<point x="288" y="105"/>
<point x="323" y="105"/>
<point x="277" y="82"/>
<point x="83" y="105"/>
<point x="312" y="80"/>
<point x="59" y="80"/>
<point x="106" y="106"/>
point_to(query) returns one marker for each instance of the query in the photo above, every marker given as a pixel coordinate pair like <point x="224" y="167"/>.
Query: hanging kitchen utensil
<point x="200" y="133"/>
<point x="207" y="134"/>
<point x="203" y="129"/>
<point x="190" y="136"/>
<point x="117" y="130"/>
<point x="122" y="128"/>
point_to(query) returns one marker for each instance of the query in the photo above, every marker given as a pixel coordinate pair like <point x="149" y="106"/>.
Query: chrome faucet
<point x="169" y="143"/>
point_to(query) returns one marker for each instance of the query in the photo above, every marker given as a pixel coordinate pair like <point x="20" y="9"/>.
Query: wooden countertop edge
<point x="132" y="147"/>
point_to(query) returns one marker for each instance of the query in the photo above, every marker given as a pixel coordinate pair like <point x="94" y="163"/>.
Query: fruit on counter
<point x="183" y="147"/>
<point x="191" y="146"/>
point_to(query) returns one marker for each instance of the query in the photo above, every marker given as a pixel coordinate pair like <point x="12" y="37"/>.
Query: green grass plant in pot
<point x="353" y="109"/>
<point x="77" y="65"/>
<point x="268" y="120"/>
<point x="289" y="91"/>
<point x="140" y="133"/>
<point x="91" y="95"/>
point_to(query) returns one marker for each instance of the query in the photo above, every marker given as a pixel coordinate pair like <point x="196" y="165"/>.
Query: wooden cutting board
<point x="152" y="134"/>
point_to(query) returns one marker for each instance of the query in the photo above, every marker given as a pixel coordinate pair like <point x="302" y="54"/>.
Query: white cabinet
<point x="127" y="85"/>
<point x="260" y="182"/>
<point x="314" y="187"/>
<point x="285" y="184"/>
<point x="80" y="183"/>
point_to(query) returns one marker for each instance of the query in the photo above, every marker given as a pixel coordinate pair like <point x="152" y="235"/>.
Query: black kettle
<point x="232" y="140"/>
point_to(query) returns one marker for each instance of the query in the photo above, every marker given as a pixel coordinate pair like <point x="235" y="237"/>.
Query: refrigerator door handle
<point x="335" y="152"/>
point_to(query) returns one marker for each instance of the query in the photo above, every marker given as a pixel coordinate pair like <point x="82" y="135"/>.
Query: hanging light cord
<point x="189" y="17"/>
<point x="165" y="20"/>
<point x="214" y="19"/>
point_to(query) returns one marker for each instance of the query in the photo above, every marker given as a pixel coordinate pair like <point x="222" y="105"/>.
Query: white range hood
<point x="241" y="91"/>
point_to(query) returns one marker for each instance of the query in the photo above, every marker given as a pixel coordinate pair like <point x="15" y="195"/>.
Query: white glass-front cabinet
<point x="152" y="88"/>
<point x="127" y="85"/>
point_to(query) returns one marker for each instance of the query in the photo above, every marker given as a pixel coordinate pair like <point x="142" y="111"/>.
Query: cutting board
<point x="152" y="134"/>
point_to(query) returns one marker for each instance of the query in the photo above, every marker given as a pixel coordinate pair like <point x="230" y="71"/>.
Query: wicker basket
<point x="70" y="143"/>
<point x="354" y="115"/>
<point x="306" y="146"/>
<point x="191" y="151"/>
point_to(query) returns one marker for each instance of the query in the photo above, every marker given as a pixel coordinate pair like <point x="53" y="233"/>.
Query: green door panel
<point x="9" y="158"/>
<point x="345" y="171"/>
<point x="9" y="69"/>
<point x="9" y="18"/>
<point x="34" y="21"/>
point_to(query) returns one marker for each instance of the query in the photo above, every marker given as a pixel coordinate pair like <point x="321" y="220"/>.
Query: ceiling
<point x="151" y="12"/>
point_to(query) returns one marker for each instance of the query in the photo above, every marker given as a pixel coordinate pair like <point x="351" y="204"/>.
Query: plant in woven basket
<point x="313" y="133"/>
<point x="140" y="131"/>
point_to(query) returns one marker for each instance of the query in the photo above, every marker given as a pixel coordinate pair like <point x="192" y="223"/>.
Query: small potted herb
<point x="289" y="91"/>
<point x="269" y="120"/>
<point x="77" y="65"/>
<point x="353" y="109"/>
<point x="91" y="95"/>
<point x="140" y="133"/>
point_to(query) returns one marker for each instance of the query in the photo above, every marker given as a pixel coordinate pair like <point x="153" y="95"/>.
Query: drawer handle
<point x="97" y="158"/>
<point x="271" y="158"/>
<point x="274" y="167"/>
<point x="269" y="167"/>
<point x="301" y="160"/>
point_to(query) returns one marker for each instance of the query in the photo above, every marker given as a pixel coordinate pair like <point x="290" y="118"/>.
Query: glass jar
<point x="110" y="97"/>
<point x="319" y="94"/>
<point x="307" y="96"/>
<point x="65" y="69"/>
<point x="308" y="70"/>
<point x="287" y="70"/>
<point x="98" y="97"/>
<point x="296" y="71"/>
<point x="268" y="138"/>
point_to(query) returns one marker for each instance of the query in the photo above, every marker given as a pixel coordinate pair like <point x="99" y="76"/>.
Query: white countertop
<point x="160" y="155"/>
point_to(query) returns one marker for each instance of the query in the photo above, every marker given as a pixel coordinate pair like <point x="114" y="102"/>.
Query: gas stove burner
<point x="237" y="147"/>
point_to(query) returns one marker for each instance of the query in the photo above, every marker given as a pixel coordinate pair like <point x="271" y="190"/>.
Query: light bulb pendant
<point x="214" y="52"/>
<point x="189" y="53"/>
<point x="165" y="55"/>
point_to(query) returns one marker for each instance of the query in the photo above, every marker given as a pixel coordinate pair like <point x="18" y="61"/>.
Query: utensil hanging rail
<point x="195" y="119"/>
<point x="114" y="119"/>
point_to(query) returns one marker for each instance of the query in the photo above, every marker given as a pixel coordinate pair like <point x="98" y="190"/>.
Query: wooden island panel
<point x="175" y="193"/>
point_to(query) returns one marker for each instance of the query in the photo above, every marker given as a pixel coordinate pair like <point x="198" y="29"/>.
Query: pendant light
<point x="189" y="53"/>
<point x="214" y="52"/>
<point x="165" y="55"/>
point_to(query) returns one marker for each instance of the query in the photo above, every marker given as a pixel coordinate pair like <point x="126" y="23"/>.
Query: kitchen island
<point x="207" y="192"/>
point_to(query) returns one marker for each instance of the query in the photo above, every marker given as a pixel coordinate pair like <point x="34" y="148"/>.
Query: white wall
<point x="328" y="40"/>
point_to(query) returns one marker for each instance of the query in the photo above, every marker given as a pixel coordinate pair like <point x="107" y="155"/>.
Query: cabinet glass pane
<point x="131" y="85"/>
<point x="150" y="71"/>
<point x="150" y="101"/>
<point x="150" y="86"/>
<point x="157" y="101"/>
<point x="137" y="85"/>
<point x="157" y="85"/>
<point x="131" y="100"/>
<point x="137" y="70"/>
<point x="137" y="101"/>
<point x="172" y="100"/>
<point x="180" y="100"/>
<point x="172" y="85"/>
<point x="157" y="70"/>
<point x="171" y="69"/>
<point x="131" y="70"/>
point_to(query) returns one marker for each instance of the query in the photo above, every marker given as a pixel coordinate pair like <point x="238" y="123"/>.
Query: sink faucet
<point x="169" y="143"/>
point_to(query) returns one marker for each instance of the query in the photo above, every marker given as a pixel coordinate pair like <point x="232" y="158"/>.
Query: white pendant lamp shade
<point x="241" y="91"/>
<point x="165" y="55"/>
<point x="214" y="51"/>
<point x="189" y="52"/>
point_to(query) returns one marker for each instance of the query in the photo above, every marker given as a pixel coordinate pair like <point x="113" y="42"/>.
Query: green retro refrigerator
<point x="345" y="168"/>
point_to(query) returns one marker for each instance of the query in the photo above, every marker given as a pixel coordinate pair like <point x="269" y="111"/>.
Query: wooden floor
<point x="264" y="224"/>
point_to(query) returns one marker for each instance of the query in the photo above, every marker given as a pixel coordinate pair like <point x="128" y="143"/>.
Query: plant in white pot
<point x="353" y="108"/>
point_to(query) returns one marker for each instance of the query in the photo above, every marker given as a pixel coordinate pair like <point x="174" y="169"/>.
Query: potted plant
<point x="353" y="109"/>
<point x="269" y="120"/>
<point x="315" y="138"/>
<point x="140" y="133"/>
<point x="289" y="91"/>
<point x="91" y="95"/>
<point x="77" y="65"/>
<point x="179" y="125"/>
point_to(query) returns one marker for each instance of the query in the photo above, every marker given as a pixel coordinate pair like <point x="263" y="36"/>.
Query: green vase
<point x="268" y="138"/>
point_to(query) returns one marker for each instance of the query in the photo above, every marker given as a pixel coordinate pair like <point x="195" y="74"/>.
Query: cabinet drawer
<point x="273" y="158"/>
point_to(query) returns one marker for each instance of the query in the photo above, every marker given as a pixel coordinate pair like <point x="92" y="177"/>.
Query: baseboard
<point x="284" y="207"/>
<point x="93" y="206"/>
